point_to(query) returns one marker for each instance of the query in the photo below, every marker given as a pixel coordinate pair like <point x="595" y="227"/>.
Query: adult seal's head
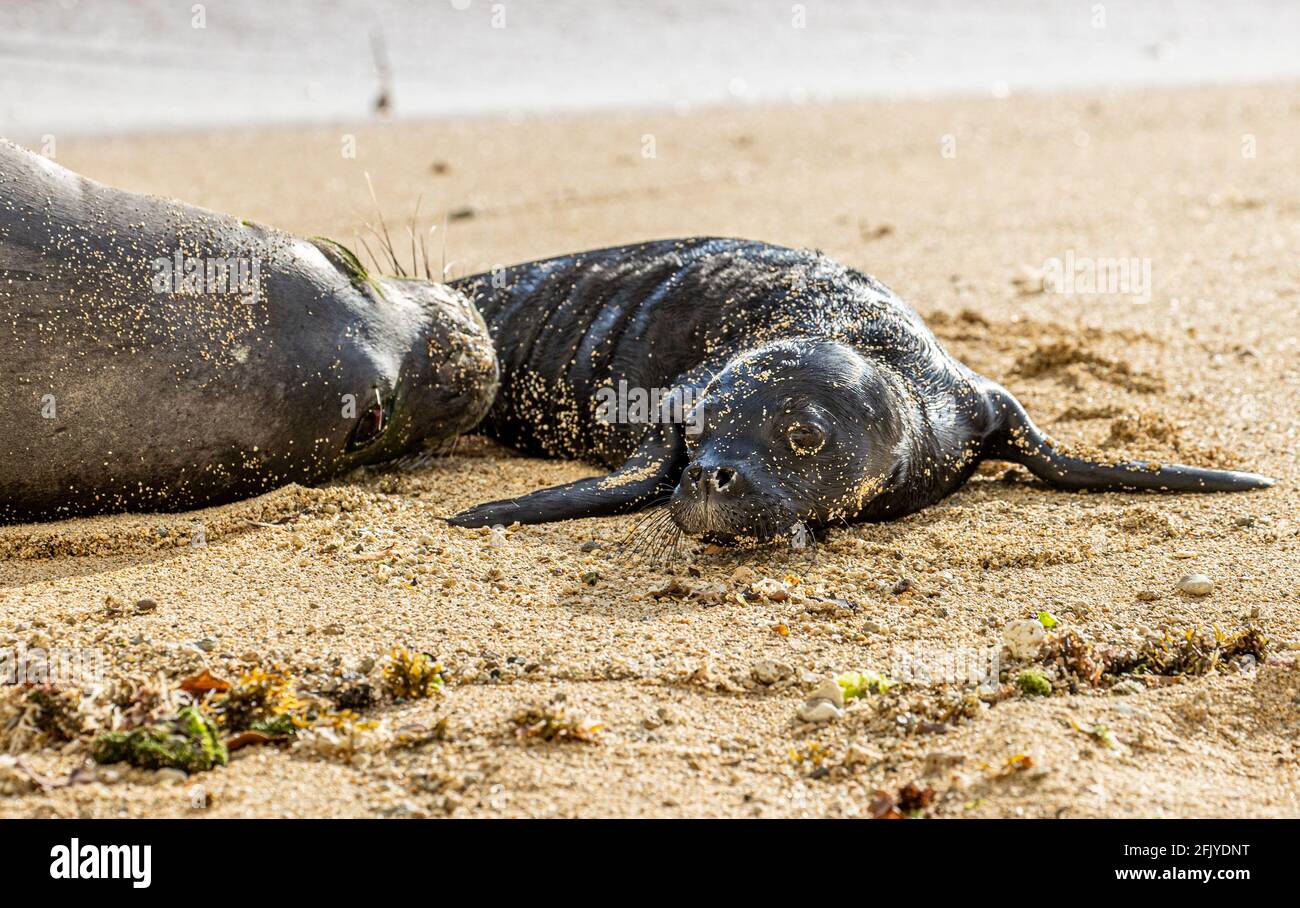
<point x="803" y="431"/>
<point x="156" y="356"/>
<point x="433" y="366"/>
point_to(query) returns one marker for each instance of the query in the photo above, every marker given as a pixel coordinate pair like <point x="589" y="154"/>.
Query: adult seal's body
<point x="157" y="356"/>
<point x="818" y="395"/>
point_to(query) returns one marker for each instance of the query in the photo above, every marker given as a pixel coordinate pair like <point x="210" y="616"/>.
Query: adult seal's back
<point x="157" y="356"/>
<point x="796" y="393"/>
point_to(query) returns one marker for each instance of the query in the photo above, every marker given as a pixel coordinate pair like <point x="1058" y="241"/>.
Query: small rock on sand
<point x="743" y="576"/>
<point x="768" y="671"/>
<point x="824" y="704"/>
<point x="819" y="711"/>
<point x="830" y="690"/>
<point x="1196" y="585"/>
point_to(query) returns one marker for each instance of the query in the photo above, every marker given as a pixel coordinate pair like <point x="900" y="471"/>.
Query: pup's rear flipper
<point x="1016" y="438"/>
<point x="649" y="474"/>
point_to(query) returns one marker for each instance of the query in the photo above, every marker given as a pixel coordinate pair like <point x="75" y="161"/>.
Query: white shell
<point x="1024" y="638"/>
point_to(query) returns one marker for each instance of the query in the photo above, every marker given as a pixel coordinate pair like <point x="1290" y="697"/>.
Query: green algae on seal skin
<point x="189" y="742"/>
<point x="160" y="357"/>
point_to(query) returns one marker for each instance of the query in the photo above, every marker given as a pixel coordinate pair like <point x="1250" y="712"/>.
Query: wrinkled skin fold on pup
<point x="819" y="397"/>
<point x="155" y="356"/>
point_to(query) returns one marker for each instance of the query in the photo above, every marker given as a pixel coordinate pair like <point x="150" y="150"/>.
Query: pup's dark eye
<point x="805" y="438"/>
<point x="370" y="425"/>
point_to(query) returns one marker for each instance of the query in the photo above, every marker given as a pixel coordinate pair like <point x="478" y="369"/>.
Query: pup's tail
<point x="1014" y="437"/>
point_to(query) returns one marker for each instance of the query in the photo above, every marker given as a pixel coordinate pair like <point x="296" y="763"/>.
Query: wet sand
<point x="957" y="205"/>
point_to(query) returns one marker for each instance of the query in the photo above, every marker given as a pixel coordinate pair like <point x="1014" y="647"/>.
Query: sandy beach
<point x="682" y="685"/>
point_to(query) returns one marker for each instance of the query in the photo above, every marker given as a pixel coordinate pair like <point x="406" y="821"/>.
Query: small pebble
<point x="207" y="644"/>
<point x="1196" y="585"/>
<point x="169" y="775"/>
<point x="589" y="546"/>
<point x="145" y="606"/>
<point x="1127" y="686"/>
<point x="743" y="575"/>
<point x="819" y="711"/>
<point x="1147" y="595"/>
<point x="768" y="671"/>
<point x="828" y="689"/>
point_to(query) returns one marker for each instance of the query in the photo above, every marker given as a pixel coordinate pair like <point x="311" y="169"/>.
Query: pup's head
<point x="796" y="432"/>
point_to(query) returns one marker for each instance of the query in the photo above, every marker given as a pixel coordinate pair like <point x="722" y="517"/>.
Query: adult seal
<point x="157" y="356"/>
<point x="797" y="393"/>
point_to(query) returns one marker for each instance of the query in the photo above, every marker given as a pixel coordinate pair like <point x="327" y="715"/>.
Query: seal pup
<point x="158" y="356"/>
<point x="798" y="393"/>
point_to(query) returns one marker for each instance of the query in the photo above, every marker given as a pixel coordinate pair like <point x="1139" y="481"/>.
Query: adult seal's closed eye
<point x="818" y="395"/>
<point x="157" y="356"/>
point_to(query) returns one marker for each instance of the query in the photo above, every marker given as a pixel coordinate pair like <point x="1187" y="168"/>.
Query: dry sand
<point x="1207" y="372"/>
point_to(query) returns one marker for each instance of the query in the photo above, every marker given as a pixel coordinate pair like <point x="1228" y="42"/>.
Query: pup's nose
<point x="702" y="480"/>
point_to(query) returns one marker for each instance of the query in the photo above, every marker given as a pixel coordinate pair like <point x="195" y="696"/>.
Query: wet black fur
<point x="675" y="313"/>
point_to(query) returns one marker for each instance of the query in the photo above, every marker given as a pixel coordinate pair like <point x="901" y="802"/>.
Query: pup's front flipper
<point x="649" y="474"/>
<point x="1014" y="437"/>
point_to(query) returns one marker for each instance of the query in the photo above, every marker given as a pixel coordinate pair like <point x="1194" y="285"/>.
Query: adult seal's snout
<point x="157" y="356"/>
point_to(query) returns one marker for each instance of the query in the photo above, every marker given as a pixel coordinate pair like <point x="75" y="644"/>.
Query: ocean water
<point x="85" y="66"/>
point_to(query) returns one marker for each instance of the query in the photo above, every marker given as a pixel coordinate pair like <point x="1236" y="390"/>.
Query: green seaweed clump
<point x="281" y="726"/>
<point x="412" y="676"/>
<point x="1197" y="652"/>
<point x="858" y="684"/>
<point x="1191" y="652"/>
<point x="263" y="701"/>
<point x="189" y="741"/>
<point x="1033" y="683"/>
